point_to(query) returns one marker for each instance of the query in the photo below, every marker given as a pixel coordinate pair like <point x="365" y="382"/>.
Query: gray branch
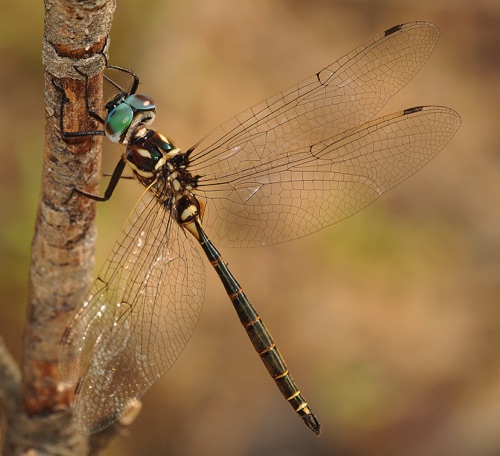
<point x="38" y="406"/>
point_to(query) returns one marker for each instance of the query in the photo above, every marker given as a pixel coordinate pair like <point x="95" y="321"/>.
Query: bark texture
<point x="75" y="44"/>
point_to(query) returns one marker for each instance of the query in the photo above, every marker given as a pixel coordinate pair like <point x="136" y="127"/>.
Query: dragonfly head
<point x="125" y="113"/>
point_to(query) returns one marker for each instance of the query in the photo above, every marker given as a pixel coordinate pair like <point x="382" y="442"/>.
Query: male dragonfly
<point x="300" y="161"/>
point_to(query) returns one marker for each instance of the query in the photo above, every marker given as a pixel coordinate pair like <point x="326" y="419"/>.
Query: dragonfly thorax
<point x="148" y="151"/>
<point x="163" y="169"/>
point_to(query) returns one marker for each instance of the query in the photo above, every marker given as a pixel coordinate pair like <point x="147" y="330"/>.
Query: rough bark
<point x="38" y="406"/>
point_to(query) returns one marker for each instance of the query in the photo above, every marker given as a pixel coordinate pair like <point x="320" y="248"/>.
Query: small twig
<point x="38" y="411"/>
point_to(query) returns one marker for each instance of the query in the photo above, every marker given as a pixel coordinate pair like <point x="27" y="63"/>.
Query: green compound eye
<point x="140" y="102"/>
<point x="117" y="121"/>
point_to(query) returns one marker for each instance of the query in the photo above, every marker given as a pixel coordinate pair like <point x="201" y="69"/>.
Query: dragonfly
<point x="298" y="162"/>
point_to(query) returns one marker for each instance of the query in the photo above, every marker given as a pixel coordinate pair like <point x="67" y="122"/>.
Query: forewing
<point x="136" y="319"/>
<point x="340" y="97"/>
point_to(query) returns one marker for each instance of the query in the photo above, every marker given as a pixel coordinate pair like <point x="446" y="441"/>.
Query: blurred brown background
<point x="390" y="321"/>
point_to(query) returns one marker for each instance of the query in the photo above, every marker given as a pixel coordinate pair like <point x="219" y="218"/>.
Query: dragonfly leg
<point x="90" y="112"/>
<point x="115" y="178"/>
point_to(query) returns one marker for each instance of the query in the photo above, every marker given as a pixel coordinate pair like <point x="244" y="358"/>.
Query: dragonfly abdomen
<point x="275" y="364"/>
<point x="257" y="332"/>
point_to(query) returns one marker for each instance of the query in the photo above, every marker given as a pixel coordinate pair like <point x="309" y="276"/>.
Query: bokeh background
<point x="389" y="321"/>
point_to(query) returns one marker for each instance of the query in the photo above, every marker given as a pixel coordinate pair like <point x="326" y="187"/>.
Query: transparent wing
<point x="316" y="186"/>
<point x="136" y="319"/>
<point x="248" y="166"/>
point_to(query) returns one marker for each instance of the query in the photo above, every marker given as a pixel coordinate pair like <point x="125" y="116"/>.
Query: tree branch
<point x="62" y="258"/>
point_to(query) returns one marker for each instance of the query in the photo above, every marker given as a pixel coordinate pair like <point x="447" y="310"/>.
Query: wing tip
<point x="410" y="25"/>
<point x="393" y="29"/>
